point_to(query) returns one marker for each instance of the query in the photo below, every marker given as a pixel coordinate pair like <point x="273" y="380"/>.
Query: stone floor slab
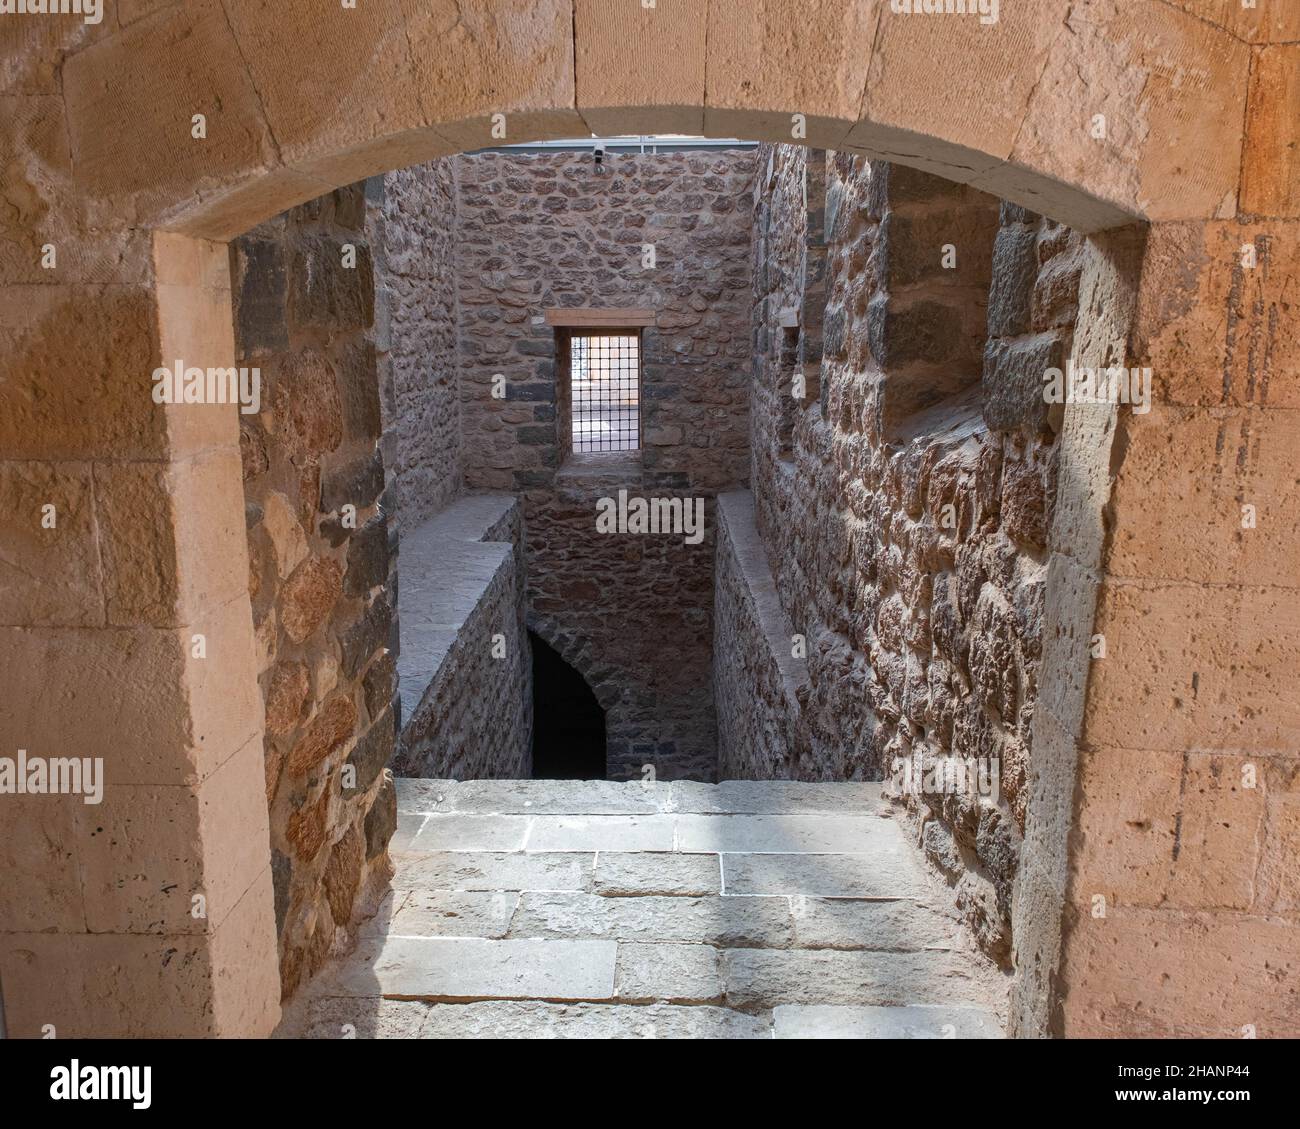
<point x="509" y="1020"/>
<point x="625" y="874"/>
<point x="880" y="875"/>
<point x="669" y="973"/>
<point x="423" y="797"/>
<point x="494" y="870"/>
<point x="824" y="1021"/>
<point x="464" y="968"/>
<point x="776" y="797"/>
<point x="600" y="833"/>
<point x="721" y="922"/>
<point x="558" y="797"/>
<point x="845" y="923"/>
<point x="786" y="834"/>
<point x="362" y="1018"/>
<point x="456" y="832"/>
<point x="555" y="909"/>
<point x="769" y="977"/>
<point x="457" y="913"/>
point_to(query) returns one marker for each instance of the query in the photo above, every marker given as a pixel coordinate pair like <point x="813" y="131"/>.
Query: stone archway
<point x="222" y="115"/>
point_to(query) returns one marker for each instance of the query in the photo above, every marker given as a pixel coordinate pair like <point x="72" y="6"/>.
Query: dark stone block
<point x="539" y="436"/>
<point x="1014" y="213"/>
<point x="899" y="332"/>
<point x="541" y="392"/>
<point x="380" y="683"/>
<point x="260" y="295"/>
<point x="1015" y="267"/>
<point x="833" y="333"/>
<point x="358" y="382"/>
<point x="381" y="819"/>
<point x="325" y="294"/>
<point x="350" y="206"/>
<point x="531" y="348"/>
<point x="373" y="751"/>
<point x="367" y="558"/>
<point x="358" y="642"/>
<point x="1014" y="381"/>
<point x="334" y="531"/>
<point x="281" y="874"/>
<point x="358" y="482"/>
<point x="533" y="479"/>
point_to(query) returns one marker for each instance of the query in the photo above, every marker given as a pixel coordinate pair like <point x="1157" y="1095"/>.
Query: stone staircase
<point x="596" y="909"/>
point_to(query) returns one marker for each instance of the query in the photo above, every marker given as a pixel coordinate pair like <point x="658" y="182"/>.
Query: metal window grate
<point x="605" y="390"/>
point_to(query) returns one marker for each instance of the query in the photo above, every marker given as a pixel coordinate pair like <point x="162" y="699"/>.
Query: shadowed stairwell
<point x="568" y="723"/>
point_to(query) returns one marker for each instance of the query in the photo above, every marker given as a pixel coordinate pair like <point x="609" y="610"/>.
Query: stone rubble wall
<point x="320" y="582"/>
<point x="758" y="680"/>
<point x="908" y="524"/>
<point x="465" y="672"/>
<point x="632" y="613"/>
<point x="414" y="233"/>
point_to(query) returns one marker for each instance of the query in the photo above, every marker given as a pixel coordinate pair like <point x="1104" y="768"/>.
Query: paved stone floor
<point x="595" y="909"/>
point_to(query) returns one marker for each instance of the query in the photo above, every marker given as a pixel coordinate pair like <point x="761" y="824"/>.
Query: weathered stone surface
<point x="463" y="870"/>
<point x="599" y="832"/>
<point x="454" y="832"/>
<point x="373" y="751"/>
<point x="624" y="874"/>
<point x="381" y="819"/>
<point x="833" y="876"/>
<point x="458" y="913"/>
<point x="286" y="694"/>
<point x="720" y="922"/>
<point x="358" y="483"/>
<point x="367" y="558"/>
<point x="507" y="1020"/>
<point x="473" y="968"/>
<point x="343" y="874"/>
<point x="769" y="977"/>
<point x="308" y="597"/>
<point x="332" y="727"/>
<point x="813" y="834"/>
<point x="801" y="1021"/>
<point x="901" y="925"/>
<point x="672" y="973"/>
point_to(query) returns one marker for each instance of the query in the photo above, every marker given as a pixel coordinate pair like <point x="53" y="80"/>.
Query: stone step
<point x="678" y="910"/>
<point x="348" y="1017"/>
<point x="610" y="797"/>
<point x="731" y="922"/>
<point x="469" y="968"/>
<point x="828" y="1021"/>
<point x="687" y="833"/>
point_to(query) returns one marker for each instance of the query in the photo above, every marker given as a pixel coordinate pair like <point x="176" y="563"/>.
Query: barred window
<point x="605" y="391"/>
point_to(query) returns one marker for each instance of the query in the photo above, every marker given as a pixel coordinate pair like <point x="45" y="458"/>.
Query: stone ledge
<point x="455" y="569"/>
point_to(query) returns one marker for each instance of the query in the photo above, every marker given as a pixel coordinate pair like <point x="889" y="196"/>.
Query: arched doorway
<point x="568" y="723"/>
<point x="394" y="87"/>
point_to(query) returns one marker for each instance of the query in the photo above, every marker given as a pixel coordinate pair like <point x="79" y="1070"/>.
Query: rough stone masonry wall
<point x="909" y="527"/>
<point x="413" y="228"/>
<point x="319" y="572"/>
<point x="465" y="670"/>
<point x="632" y="613"/>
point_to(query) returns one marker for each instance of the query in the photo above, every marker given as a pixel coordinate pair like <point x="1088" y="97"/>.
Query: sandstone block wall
<point x="908" y="522"/>
<point x="632" y="613"/>
<point x="320" y="568"/>
<point x="465" y="668"/>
